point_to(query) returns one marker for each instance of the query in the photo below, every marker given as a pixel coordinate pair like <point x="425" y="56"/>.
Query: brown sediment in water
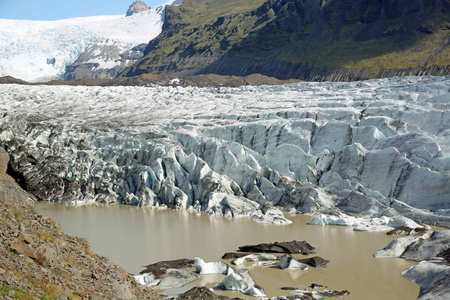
<point x="148" y="236"/>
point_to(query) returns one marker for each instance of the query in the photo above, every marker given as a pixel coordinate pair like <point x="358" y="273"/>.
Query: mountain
<point x="137" y="7"/>
<point x="306" y="39"/>
<point x="94" y="47"/>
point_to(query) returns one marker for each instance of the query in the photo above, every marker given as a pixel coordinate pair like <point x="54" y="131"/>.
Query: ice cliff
<point x="372" y="148"/>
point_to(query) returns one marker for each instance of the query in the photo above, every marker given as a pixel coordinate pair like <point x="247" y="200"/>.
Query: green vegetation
<point x="17" y="293"/>
<point x="200" y="33"/>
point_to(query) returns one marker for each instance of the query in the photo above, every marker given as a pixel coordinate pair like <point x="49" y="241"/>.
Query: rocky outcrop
<point x="38" y="260"/>
<point x="103" y="61"/>
<point x="309" y="40"/>
<point x="137" y="7"/>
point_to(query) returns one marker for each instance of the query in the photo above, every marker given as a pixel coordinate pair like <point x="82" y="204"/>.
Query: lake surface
<point x="133" y="237"/>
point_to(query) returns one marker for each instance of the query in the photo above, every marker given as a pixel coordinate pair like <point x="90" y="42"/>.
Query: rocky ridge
<point x="137" y="7"/>
<point x="39" y="261"/>
<point x="254" y="152"/>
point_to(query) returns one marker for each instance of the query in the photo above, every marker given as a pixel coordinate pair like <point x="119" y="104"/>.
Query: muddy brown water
<point x="133" y="237"/>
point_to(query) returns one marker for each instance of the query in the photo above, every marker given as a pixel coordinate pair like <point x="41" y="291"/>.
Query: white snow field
<point x="40" y="50"/>
<point x="377" y="148"/>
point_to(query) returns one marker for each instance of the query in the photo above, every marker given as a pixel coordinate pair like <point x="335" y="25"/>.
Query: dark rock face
<point x="137" y="7"/>
<point x="305" y="39"/>
<point x="293" y="247"/>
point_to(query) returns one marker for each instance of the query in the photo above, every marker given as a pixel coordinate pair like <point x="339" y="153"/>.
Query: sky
<point x="63" y="9"/>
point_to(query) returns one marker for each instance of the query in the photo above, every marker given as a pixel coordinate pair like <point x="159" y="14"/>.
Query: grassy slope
<point x="241" y="28"/>
<point x="191" y="28"/>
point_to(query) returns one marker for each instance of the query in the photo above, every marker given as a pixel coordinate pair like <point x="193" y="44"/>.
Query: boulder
<point x="46" y="255"/>
<point x="315" y="261"/>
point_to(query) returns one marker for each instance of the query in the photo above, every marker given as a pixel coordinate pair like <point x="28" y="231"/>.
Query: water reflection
<point x="133" y="237"/>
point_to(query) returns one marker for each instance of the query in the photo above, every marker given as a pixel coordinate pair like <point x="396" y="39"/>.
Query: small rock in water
<point x="315" y="261"/>
<point x="317" y="286"/>
<point x="289" y="288"/>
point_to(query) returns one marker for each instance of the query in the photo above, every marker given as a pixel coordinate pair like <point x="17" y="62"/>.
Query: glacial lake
<point x="134" y="237"/>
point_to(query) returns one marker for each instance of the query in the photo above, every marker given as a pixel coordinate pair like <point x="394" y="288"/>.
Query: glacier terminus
<point x="362" y="153"/>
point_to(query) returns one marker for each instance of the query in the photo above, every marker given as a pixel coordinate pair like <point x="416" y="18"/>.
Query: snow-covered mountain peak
<point x="41" y="50"/>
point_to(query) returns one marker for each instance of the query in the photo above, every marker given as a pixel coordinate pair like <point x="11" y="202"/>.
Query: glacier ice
<point x="378" y="148"/>
<point x="287" y="262"/>
<point x="41" y="50"/>
<point x="241" y="281"/>
<point x="205" y="268"/>
<point x="258" y="257"/>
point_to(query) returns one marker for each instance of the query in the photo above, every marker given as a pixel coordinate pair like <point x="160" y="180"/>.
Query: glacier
<point x="369" y="149"/>
<point x="41" y="50"/>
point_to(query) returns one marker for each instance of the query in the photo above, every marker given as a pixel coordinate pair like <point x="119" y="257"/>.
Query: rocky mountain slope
<point x="137" y="7"/>
<point x="306" y="39"/>
<point x="91" y="47"/>
<point x="370" y="149"/>
<point x="39" y="261"/>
